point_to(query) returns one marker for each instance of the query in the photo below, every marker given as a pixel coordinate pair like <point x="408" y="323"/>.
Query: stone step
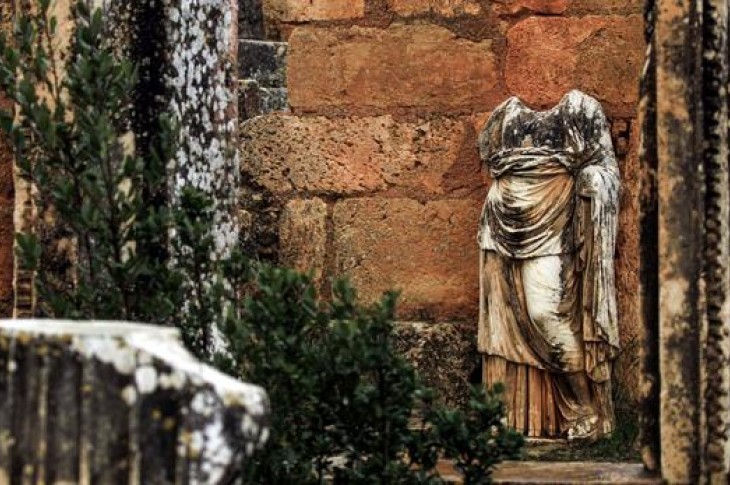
<point x="560" y="473"/>
<point x="573" y="473"/>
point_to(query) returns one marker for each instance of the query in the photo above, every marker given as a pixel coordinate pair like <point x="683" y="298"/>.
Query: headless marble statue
<point x="547" y="323"/>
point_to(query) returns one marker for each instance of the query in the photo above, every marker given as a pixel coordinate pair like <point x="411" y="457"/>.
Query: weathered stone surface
<point x="7" y="226"/>
<point x="446" y="8"/>
<point x="537" y="6"/>
<point x="626" y="140"/>
<point x="606" y="6"/>
<point x="263" y="62"/>
<point x="426" y="250"/>
<point x="303" y="236"/>
<point x="547" y="56"/>
<point x="361" y="155"/>
<point x="404" y="66"/>
<point x="112" y="402"/>
<point x="203" y="37"/>
<point x="250" y="19"/>
<point x="444" y="355"/>
<point x="586" y="473"/>
<point x="311" y="10"/>
<point x="254" y="100"/>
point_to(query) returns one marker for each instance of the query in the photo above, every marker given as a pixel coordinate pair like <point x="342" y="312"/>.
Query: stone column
<point x="687" y="212"/>
<point x="109" y="402"/>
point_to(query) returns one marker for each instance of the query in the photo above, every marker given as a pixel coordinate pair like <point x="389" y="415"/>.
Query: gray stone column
<point x="686" y="237"/>
<point x="109" y="402"/>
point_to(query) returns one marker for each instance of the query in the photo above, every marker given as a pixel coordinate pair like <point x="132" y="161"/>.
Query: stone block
<point x="263" y="61"/>
<point x="250" y="19"/>
<point x="606" y="7"/>
<point x="512" y="7"/>
<point x="602" y="56"/>
<point x="404" y="66"/>
<point x="254" y="100"/>
<point x="303" y="236"/>
<point x="111" y="402"/>
<point x="313" y="10"/>
<point x="445" y="8"/>
<point x="428" y="251"/>
<point x="345" y="156"/>
<point x="444" y="355"/>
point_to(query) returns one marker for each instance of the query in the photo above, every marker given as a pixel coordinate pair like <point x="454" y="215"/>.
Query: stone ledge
<point x="572" y="473"/>
<point x="561" y="473"/>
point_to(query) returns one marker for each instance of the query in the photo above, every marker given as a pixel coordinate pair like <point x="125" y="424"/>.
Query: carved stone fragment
<point x="108" y="402"/>
<point x="548" y="322"/>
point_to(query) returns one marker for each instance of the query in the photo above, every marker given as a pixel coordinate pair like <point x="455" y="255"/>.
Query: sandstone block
<point x="606" y="6"/>
<point x="403" y="66"/>
<point x="312" y="10"/>
<point x="303" y="236"/>
<point x="537" y="6"/>
<point x="321" y="156"/>
<point x="445" y="8"/>
<point x="428" y="251"/>
<point x="603" y="56"/>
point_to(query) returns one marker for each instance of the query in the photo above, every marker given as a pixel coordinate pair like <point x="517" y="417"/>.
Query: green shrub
<point x="340" y="392"/>
<point x="343" y="400"/>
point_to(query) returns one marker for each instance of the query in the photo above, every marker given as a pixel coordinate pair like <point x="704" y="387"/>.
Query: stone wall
<point x="375" y="174"/>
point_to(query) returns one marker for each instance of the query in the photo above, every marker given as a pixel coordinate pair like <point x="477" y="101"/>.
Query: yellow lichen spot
<point x="23" y="338"/>
<point x="168" y="424"/>
<point x="185" y="438"/>
<point x="156" y="414"/>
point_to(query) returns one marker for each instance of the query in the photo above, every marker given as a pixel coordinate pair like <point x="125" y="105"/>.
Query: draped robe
<point x="548" y="325"/>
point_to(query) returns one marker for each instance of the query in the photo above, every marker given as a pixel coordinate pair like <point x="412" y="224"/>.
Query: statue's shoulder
<point x="497" y="115"/>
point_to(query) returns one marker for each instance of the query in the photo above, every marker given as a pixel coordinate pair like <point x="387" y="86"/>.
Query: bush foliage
<point x="344" y="402"/>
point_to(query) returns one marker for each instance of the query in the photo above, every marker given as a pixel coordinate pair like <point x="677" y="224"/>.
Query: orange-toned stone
<point x="407" y="66"/>
<point x="312" y="10"/>
<point x="428" y="251"/>
<point x="627" y="265"/>
<point x="539" y="6"/>
<point x="603" y="56"/>
<point x="606" y="6"/>
<point x="303" y="236"/>
<point x="446" y="8"/>
<point x="346" y="156"/>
